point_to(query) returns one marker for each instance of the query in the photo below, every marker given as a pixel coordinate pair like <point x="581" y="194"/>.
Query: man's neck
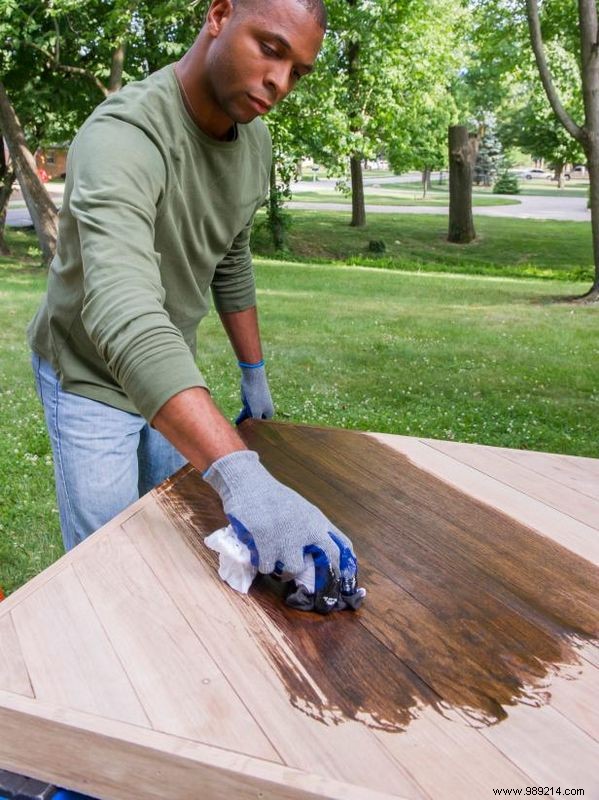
<point x="198" y="103"/>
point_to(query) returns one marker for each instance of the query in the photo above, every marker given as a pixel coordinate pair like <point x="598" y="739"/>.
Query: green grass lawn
<point x="545" y="188"/>
<point x="459" y="357"/>
<point x="390" y="198"/>
<point x="504" y="248"/>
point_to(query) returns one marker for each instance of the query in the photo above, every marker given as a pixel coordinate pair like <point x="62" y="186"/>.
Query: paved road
<point x="527" y="207"/>
<point x="558" y="208"/>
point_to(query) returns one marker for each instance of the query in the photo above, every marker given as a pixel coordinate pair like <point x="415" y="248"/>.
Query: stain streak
<point x="466" y="608"/>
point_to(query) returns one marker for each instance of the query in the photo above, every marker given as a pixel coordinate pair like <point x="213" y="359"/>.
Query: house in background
<point x="51" y="161"/>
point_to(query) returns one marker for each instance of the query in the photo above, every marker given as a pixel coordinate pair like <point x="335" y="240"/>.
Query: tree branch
<point x="534" y="26"/>
<point x="57" y="43"/>
<point x="68" y="69"/>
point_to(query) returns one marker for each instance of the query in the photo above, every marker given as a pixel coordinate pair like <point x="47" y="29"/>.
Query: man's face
<point x="257" y="54"/>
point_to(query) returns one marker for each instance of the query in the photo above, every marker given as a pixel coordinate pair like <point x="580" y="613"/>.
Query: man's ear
<point x="218" y="16"/>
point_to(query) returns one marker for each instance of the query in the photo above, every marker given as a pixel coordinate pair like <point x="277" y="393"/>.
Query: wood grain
<point x="59" y="622"/>
<point x="239" y="635"/>
<point x="454" y="612"/>
<point x="14" y="676"/>
<point x="118" y="761"/>
<point x="514" y="473"/>
<point x="570" y="533"/>
<point x="181" y="689"/>
<point x="473" y="665"/>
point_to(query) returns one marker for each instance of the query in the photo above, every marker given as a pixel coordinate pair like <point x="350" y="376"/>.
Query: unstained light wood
<point x="129" y="670"/>
<point x="14" y="676"/>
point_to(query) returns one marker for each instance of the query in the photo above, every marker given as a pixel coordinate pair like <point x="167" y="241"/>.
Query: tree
<point x="421" y="141"/>
<point x="7" y="177"/>
<point x="42" y="209"/>
<point x="62" y="57"/>
<point x="489" y="157"/>
<point x="535" y="129"/>
<point x="587" y="133"/>
<point x="380" y="59"/>
<point x="461" y="223"/>
<point x="531" y="123"/>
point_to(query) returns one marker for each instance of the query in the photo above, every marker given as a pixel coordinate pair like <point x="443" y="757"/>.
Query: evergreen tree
<point x="488" y="158"/>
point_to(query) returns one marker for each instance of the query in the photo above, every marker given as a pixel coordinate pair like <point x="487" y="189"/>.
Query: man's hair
<point x="315" y="7"/>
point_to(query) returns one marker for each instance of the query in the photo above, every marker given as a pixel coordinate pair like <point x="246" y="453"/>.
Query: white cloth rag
<point x="235" y="563"/>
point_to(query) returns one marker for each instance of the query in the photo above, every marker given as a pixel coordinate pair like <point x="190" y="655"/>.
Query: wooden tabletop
<point x="129" y="670"/>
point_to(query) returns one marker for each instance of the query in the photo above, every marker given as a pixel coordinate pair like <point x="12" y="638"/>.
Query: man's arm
<point x="278" y="526"/>
<point x="193" y="424"/>
<point x="244" y="334"/>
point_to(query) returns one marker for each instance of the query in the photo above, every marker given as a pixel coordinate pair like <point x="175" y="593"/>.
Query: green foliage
<point x="529" y="121"/>
<point x="381" y="85"/>
<point x="506" y="183"/>
<point x="488" y="158"/>
<point x="56" y="63"/>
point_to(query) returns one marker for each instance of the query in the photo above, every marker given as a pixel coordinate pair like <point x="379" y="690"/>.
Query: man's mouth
<point x="261" y="106"/>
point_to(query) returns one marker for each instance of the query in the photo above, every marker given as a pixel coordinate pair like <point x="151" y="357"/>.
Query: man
<point x="163" y="182"/>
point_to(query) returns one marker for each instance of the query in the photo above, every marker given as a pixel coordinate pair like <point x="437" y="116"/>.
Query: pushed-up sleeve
<point x="233" y="285"/>
<point x="119" y="181"/>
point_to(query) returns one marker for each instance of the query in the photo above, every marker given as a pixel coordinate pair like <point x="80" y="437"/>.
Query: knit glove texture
<point x="279" y="526"/>
<point x="255" y="394"/>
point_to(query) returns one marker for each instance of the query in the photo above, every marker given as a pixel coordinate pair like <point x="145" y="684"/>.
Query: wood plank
<point x="514" y="474"/>
<point x="581" y="474"/>
<point x="13" y="670"/>
<point x="459" y="630"/>
<point x="180" y="687"/>
<point x="575" y="692"/>
<point x="32" y="585"/>
<point x="590" y="652"/>
<point x="451" y="760"/>
<point x="575" y="536"/>
<point x="69" y="657"/>
<point x="451" y="594"/>
<point x="117" y="761"/>
<point x="548" y="747"/>
<point x="233" y="630"/>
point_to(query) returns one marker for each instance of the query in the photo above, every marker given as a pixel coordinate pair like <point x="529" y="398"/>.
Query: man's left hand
<point x="255" y="394"/>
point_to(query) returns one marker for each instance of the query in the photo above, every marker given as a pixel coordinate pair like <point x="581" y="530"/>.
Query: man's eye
<point x="268" y="50"/>
<point x="296" y="75"/>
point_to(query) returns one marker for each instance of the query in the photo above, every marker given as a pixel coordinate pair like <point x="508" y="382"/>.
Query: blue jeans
<point x="104" y="458"/>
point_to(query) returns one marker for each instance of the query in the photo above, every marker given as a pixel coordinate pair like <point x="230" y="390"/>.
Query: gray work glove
<point x="279" y="527"/>
<point x="255" y="394"/>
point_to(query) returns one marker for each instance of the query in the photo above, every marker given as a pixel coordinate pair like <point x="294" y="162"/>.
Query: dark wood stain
<point x="465" y="608"/>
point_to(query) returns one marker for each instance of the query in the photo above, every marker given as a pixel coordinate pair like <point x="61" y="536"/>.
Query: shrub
<point x="376" y="246"/>
<point x="506" y="184"/>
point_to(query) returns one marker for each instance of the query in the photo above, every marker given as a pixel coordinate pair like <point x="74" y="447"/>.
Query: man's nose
<point x="278" y="81"/>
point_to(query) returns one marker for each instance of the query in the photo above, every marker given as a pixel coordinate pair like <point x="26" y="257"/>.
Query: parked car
<point x="535" y="172"/>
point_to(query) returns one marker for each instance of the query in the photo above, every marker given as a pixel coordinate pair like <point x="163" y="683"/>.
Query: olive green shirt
<point x="155" y="215"/>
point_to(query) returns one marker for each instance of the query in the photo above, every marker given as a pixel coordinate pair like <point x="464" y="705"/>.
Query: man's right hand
<point x="279" y="527"/>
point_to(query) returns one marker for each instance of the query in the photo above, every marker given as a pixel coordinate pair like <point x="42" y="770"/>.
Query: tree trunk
<point x="358" y="208"/>
<point x="117" y="65"/>
<point x="590" y="92"/>
<point x="461" y="223"/>
<point x="558" y="175"/>
<point x="426" y="181"/>
<point x="276" y="222"/>
<point x="587" y="135"/>
<point x="7" y="177"/>
<point x="592" y="153"/>
<point x="41" y="208"/>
